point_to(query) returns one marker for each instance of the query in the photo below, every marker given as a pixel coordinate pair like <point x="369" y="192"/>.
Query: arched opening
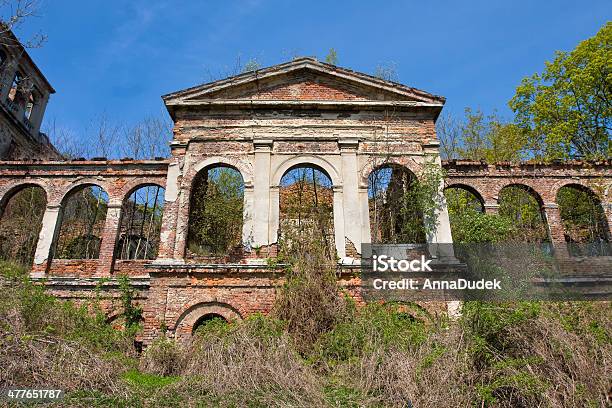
<point x="216" y="213"/>
<point x="141" y="218"/>
<point x="307" y="206"/>
<point x="82" y="223"/>
<point x="395" y="213"/>
<point x="524" y="207"/>
<point x="584" y="221"/>
<point x="207" y="319"/>
<point x="465" y="205"/>
<point x="460" y="197"/>
<point x="20" y="224"/>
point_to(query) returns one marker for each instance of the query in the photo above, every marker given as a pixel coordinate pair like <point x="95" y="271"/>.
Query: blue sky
<point x="119" y="57"/>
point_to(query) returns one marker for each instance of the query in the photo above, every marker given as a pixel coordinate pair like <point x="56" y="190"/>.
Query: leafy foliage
<point x="403" y="207"/>
<point x="566" y="111"/>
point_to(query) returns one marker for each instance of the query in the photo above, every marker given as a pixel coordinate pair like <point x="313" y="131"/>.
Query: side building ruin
<point x="24" y="94"/>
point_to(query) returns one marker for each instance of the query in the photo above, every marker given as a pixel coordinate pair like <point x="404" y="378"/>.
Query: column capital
<point x="349" y="144"/>
<point x="263" y="144"/>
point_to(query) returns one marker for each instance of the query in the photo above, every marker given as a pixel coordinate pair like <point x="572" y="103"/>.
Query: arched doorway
<point x="209" y="318"/>
<point x="216" y="213"/>
<point x="20" y="224"/>
<point x="394" y="210"/>
<point x="524" y="206"/>
<point x="584" y="221"/>
<point x="82" y="222"/>
<point x="306" y="206"/>
<point x="141" y="217"/>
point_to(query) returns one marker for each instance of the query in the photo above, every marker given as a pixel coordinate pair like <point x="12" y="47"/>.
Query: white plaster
<point x="339" y="222"/>
<point x="47" y="233"/>
<point x="261" y="194"/>
<point x="350" y="190"/>
<point x="172" y="182"/>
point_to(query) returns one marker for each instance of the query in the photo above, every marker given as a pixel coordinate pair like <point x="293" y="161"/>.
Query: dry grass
<point x="498" y="355"/>
<point x="237" y="365"/>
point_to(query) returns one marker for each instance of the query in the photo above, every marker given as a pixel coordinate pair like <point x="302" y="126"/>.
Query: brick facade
<point x="263" y="124"/>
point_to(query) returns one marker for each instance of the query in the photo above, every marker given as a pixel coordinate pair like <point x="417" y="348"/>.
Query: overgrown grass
<point x="381" y="355"/>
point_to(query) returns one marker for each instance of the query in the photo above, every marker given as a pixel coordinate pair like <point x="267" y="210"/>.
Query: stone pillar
<point x="364" y="206"/>
<point x="491" y="208"/>
<point x="608" y="211"/>
<point x="440" y="240"/>
<point x="38" y="112"/>
<point x="46" y="237"/>
<point x="106" y="258"/>
<point x="262" y="197"/>
<point x="168" y="235"/>
<point x="352" y="211"/>
<point x="274" y="214"/>
<point x="556" y="233"/>
<point x="339" y="233"/>
<point x="248" y="204"/>
<point x="182" y="222"/>
<point x="555" y="223"/>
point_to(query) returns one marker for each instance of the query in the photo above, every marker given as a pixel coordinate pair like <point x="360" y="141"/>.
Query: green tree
<point x="566" y="110"/>
<point x="489" y="138"/>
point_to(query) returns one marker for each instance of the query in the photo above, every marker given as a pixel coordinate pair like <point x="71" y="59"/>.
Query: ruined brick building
<point x="24" y="93"/>
<point x="263" y="124"/>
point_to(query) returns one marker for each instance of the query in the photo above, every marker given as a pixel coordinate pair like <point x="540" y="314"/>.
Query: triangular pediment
<point x="304" y="79"/>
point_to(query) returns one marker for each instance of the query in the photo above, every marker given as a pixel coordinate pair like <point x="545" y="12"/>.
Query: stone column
<point x="248" y="204"/>
<point x="556" y="232"/>
<point x="352" y="212"/>
<point x="364" y="206"/>
<point x="46" y="237"/>
<point x="168" y="227"/>
<point x="106" y="258"/>
<point x="440" y="240"/>
<point x="608" y="210"/>
<point x="168" y="233"/>
<point x="339" y="221"/>
<point x="262" y="197"/>
<point x="274" y="214"/>
<point x="38" y="112"/>
<point x="555" y="223"/>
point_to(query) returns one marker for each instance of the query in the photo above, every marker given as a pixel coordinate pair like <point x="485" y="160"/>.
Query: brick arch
<point x="137" y="184"/>
<point x="600" y="201"/>
<point x="8" y="191"/>
<point x="305" y="160"/>
<point x="470" y="189"/>
<point x="192" y="313"/>
<point x="580" y="185"/>
<point x="526" y="187"/>
<point x="372" y="165"/>
<point x="86" y="182"/>
<point x="245" y="170"/>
